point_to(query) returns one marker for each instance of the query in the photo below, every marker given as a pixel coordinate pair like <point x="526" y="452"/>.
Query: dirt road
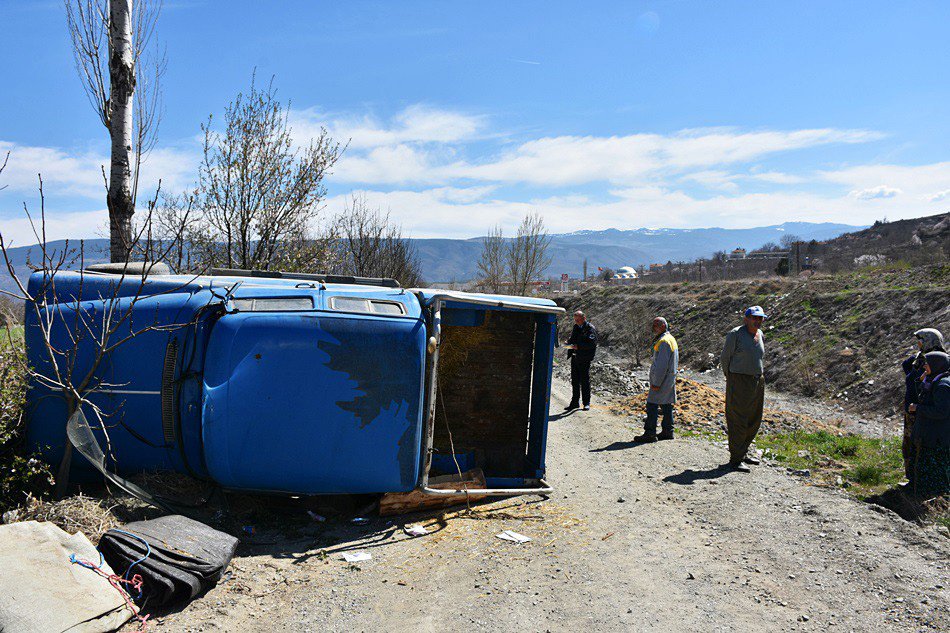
<point x="651" y="537"/>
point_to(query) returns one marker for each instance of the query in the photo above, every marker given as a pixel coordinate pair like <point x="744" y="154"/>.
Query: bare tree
<point x="76" y="332"/>
<point x="788" y="240"/>
<point x="641" y="334"/>
<point x="256" y="190"/>
<point x="110" y="41"/>
<point x="527" y="256"/>
<point x="370" y="245"/>
<point x="491" y="263"/>
<point x="176" y="229"/>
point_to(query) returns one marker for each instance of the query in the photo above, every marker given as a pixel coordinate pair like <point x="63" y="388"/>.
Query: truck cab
<point x="301" y="384"/>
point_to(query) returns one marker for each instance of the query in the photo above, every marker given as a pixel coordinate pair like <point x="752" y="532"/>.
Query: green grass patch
<point x="866" y="464"/>
<point x="14" y="333"/>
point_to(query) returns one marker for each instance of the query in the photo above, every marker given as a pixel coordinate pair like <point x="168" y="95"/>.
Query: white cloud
<point x="637" y="158"/>
<point x="78" y="173"/>
<point x="431" y="213"/>
<point x="415" y="124"/>
<point x="912" y="179"/>
<point x="777" y="178"/>
<point x="386" y="165"/>
<point x="714" y="179"/>
<point x="876" y="193"/>
<point x="574" y="181"/>
<point x="73" y="226"/>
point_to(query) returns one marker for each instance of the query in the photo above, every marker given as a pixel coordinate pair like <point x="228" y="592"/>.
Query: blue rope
<point x="148" y="550"/>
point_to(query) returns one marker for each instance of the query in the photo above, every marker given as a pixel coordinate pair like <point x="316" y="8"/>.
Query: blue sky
<point x="460" y="116"/>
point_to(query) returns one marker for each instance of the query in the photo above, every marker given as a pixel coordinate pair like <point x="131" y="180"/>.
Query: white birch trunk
<point x="121" y="89"/>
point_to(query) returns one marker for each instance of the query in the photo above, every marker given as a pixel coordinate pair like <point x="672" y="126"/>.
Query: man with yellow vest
<point x="662" y="383"/>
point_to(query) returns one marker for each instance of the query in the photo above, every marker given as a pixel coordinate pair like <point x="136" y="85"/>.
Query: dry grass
<point x="90" y="515"/>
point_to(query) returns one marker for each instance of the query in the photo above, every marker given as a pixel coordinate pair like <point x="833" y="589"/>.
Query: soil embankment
<point x="838" y="337"/>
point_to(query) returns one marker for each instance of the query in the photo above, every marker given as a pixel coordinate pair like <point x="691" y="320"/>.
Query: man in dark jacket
<point x="581" y="347"/>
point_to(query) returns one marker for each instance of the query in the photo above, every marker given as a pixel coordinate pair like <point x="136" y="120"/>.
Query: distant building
<point x="767" y="255"/>
<point x="739" y="253"/>
<point x="625" y="274"/>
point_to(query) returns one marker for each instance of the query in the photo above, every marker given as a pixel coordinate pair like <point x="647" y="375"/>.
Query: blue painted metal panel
<point x="129" y="378"/>
<point x="429" y="293"/>
<point x="544" y="344"/>
<point x="303" y="402"/>
<point x="314" y="403"/>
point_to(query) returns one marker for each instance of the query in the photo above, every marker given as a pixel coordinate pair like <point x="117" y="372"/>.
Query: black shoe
<point x="572" y="406"/>
<point x="665" y="436"/>
<point x="740" y="467"/>
<point x="755" y="461"/>
<point x="644" y="439"/>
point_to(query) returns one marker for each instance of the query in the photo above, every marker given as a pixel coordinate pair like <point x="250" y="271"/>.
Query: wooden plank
<point x="413" y="501"/>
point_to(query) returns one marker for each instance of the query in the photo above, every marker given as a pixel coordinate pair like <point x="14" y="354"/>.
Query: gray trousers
<point x="745" y="398"/>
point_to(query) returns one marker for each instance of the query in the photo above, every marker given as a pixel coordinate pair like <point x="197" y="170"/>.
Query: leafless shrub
<point x="369" y="244"/>
<point x="528" y="253"/>
<point x="491" y="263"/>
<point x="639" y="321"/>
<point x="257" y="193"/>
<point x="73" y="331"/>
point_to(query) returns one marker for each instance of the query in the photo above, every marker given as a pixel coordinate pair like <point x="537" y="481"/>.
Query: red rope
<point x="117" y="581"/>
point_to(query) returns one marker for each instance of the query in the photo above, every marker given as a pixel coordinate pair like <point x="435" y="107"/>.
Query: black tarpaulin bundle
<point x="177" y="557"/>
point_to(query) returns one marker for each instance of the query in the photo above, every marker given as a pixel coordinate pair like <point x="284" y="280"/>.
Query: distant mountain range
<point x="456" y="260"/>
<point x="446" y="260"/>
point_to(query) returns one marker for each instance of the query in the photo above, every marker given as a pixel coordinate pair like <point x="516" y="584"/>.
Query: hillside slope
<point x="840" y="336"/>
<point x="915" y="241"/>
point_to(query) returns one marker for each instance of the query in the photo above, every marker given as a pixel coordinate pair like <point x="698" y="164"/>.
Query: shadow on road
<point x="689" y="476"/>
<point x="619" y="446"/>
<point x="562" y="414"/>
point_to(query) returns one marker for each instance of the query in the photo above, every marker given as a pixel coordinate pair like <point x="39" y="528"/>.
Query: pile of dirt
<point x="606" y="380"/>
<point x="700" y="408"/>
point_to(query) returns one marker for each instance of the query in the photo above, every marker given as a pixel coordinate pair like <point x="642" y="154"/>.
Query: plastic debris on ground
<point x="177" y="557"/>
<point x="357" y="557"/>
<point x="316" y="517"/>
<point x="42" y="590"/>
<point x="415" y="530"/>
<point x="359" y="521"/>
<point x="514" y="537"/>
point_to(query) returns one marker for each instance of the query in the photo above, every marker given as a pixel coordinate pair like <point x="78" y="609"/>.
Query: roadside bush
<point x="847" y="446"/>
<point x="866" y="474"/>
<point x="21" y="475"/>
<point x="868" y="463"/>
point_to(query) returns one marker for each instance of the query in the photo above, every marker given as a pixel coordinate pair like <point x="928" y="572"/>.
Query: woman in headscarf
<point x="931" y="434"/>
<point x="928" y="340"/>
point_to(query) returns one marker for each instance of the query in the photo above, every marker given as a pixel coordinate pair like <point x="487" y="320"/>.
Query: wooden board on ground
<point x="402" y="502"/>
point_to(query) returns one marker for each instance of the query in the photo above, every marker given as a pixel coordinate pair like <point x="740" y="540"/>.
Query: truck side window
<point x="273" y="304"/>
<point x="367" y="306"/>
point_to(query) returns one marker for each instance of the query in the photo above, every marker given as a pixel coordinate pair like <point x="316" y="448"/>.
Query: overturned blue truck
<point x="300" y="384"/>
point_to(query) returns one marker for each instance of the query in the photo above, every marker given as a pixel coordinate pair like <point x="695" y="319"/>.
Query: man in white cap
<point x="742" y="362"/>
